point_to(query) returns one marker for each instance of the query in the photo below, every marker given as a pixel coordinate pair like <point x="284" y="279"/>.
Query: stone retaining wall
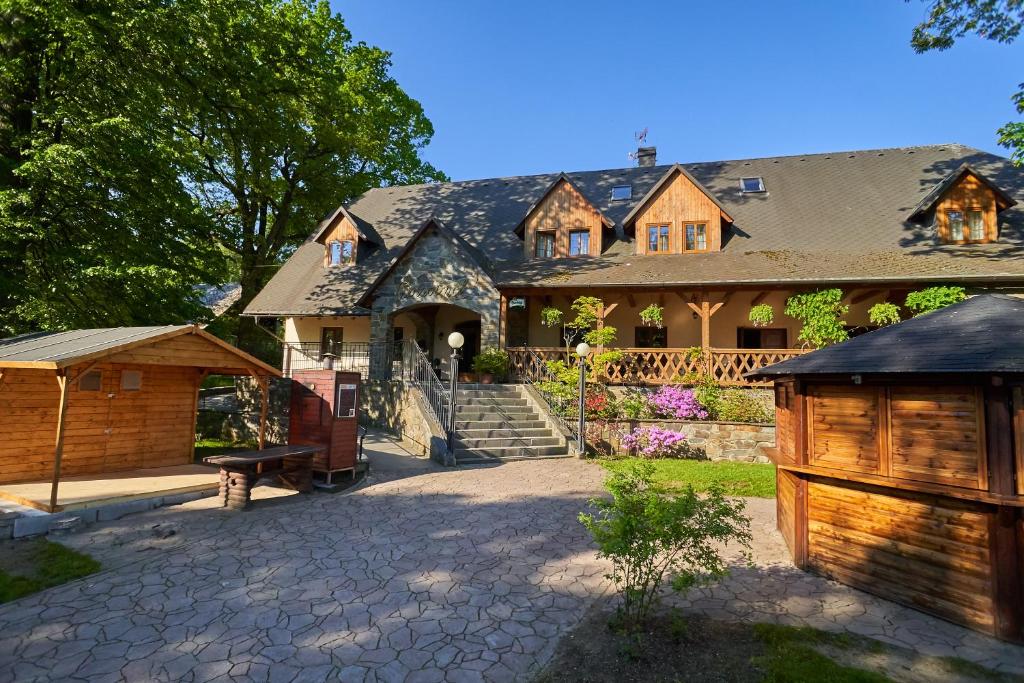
<point x="734" y="441"/>
<point x="397" y="407"/>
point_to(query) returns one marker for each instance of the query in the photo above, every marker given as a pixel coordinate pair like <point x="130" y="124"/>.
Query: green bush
<point x="743" y="405"/>
<point x="821" y="314"/>
<point x="491" y="362"/>
<point x="635" y="405"/>
<point x="884" y="313"/>
<point x="648" y="535"/>
<point x="933" y="298"/>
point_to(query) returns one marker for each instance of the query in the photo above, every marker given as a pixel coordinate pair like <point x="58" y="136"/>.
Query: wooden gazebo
<point x="85" y="404"/>
<point x="900" y="460"/>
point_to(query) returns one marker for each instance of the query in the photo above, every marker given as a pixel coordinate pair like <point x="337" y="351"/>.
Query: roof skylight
<point x="620" y="192"/>
<point x="755" y="184"/>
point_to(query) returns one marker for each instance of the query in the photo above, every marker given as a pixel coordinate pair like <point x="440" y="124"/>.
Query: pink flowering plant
<point x="677" y="403"/>
<point x="653" y="442"/>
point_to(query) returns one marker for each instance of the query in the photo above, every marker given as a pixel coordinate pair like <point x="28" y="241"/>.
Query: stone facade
<point x="435" y="271"/>
<point x="736" y="441"/>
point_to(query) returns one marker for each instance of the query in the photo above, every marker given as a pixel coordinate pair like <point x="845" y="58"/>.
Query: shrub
<point x="648" y="535"/>
<point x="743" y="405"/>
<point x="636" y="405"/>
<point x="600" y="404"/>
<point x="934" y="298"/>
<point x="655" y="442"/>
<point x="884" y="313"/>
<point x="677" y="403"/>
<point x="491" y="362"/>
<point x="653" y="316"/>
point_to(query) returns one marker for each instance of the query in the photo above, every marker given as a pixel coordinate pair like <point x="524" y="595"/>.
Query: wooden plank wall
<point x="968" y="193"/>
<point x="562" y="211"/>
<point x="785" y="502"/>
<point x="938" y="435"/>
<point x="926" y="552"/>
<point x="932" y="434"/>
<point x="340" y="231"/>
<point x="785" y="428"/>
<point x="678" y="202"/>
<point x="1018" y="447"/>
<point x="844" y="428"/>
<point x="106" y="431"/>
<point x="183" y="350"/>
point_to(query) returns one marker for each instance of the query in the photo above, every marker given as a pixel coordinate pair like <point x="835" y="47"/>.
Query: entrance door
<point x="471" y="331"/>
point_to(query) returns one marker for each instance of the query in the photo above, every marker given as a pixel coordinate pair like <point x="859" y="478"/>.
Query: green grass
<point x="792" y="657"/>
<point x="737" y="478"/>
<point x="207" y="447"/>
<point x="32" y="565"/>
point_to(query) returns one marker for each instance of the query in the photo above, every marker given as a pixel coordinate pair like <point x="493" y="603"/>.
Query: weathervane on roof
<point x="640" y="137"/>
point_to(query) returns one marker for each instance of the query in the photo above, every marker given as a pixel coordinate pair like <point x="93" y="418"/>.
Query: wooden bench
<point x="239" y="472"/>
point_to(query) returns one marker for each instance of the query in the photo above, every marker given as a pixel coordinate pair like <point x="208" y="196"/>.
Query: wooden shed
<point x="900" y="462"/>
<point x="85" y="404"/>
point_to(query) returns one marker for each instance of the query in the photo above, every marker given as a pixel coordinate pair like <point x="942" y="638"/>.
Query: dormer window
<point x="752" y="185"/>
<point x="545" y="246"/>
<point x="658" y="238"/>
<point x="622" y="192"/>
<point x="341" y="252"/>
<point x="579" y="242"/>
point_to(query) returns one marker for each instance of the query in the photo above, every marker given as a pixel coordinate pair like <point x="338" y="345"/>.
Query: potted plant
<point x="490" y="363"/>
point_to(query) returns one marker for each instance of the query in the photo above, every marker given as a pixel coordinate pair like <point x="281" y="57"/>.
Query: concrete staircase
<point x="496" y="422"/>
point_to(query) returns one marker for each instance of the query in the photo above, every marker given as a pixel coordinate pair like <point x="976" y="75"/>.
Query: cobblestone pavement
<point x="423" y="574"/>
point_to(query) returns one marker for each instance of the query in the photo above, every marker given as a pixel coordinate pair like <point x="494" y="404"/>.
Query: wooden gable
<point x="196" y="350"/>
<point x="676" y="202"/>
<point x="969" y="193"/>
<point x="561" y="211"/>
<point x="341" y="230"/>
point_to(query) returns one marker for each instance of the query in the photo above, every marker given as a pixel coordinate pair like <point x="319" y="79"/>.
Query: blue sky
<point x="524" y="87"/>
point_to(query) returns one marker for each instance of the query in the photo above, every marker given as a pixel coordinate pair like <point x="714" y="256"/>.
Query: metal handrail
<point x="561" y="408"/>
<point x="421" y="373"/>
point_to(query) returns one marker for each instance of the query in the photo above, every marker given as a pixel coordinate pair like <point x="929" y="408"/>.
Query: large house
<point x="706" y="241"/>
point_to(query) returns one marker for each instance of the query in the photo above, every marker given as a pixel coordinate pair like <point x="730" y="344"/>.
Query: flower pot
<point x="486" y="378"/>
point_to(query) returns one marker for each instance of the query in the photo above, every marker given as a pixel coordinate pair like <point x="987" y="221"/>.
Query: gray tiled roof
<point x="54" y="347"/>
<point x="837" y="217"/>
<point x="982" y="334"/>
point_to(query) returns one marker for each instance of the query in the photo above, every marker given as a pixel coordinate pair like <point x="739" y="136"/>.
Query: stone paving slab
<point x="425" y="574"/>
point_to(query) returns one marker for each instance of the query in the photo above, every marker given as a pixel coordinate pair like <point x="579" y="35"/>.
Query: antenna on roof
<point x="641" y="137"/>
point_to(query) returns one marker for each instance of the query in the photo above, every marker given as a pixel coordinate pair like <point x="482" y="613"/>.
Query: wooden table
<point x="239" y="472"/>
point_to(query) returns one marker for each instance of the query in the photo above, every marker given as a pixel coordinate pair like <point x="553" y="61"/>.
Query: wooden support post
<point x="704" y="311"/>
<point x="502" y="321"/>
<point x="631" y="300"/>
<point x="58" y="453"/>
<point x="761" y="296"/>
<point x="264" y="383"/>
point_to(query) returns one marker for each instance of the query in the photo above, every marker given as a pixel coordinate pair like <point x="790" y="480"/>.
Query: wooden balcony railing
<point x="659" y="366"/>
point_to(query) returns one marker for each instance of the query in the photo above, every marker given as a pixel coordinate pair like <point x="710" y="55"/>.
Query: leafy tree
<point x="933" y="298"/>
<point x="152" y="145"/>
<point x="998" y="20"/>
<point x="648" y="535"/>
<point x="282" y="117"/>
<point x="822" y="316"/>
<point x="96" y="227"/>
<point x="884" y="313"/>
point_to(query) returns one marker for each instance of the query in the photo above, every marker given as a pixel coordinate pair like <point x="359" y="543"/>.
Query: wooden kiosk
<point x="108" y="414"/>
<point x="324" y="412"/>
<point x="900" y="460"/>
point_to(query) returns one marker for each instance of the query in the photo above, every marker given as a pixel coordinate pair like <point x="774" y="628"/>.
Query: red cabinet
<point x="325" y="412"/>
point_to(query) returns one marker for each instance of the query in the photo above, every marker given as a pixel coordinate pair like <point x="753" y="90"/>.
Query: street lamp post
<point x="583" y="350"/>
<point x="455" y="340"/>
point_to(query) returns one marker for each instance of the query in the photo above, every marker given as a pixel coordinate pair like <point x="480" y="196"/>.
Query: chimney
<point x="647" y="156"/>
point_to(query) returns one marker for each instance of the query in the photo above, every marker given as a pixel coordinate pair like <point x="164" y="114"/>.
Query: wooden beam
<point x="631" y="301"/>
<point x="58" y="452"/>
<point x="502" y="321"/>
<point x="608" y="310"/>
<point x="728" y="296"/>
<point x="864" y="296"/>
<point x="761" y="296"/>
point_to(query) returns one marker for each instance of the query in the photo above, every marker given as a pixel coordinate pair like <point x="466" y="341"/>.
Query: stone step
<point x="504" y="432"/>
<point x="510" y="452"/>
<point x="490" y="460"/>
<point x="497" y="399"/>
<point x="506" y="442"/>
<point x="493" y="422"/>
<point x="488" y="389"/>
<point x="499" y="410"/>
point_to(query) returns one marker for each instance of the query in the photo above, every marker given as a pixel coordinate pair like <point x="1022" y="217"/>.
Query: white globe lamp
<point x="456" y="340"/>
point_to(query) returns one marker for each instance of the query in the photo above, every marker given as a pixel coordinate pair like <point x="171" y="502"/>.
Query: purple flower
<point x="680" y="404"/>
<point x="654" y="442"/>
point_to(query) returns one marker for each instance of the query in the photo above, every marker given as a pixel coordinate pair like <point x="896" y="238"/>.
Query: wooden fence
<point x="659" y="366"/>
